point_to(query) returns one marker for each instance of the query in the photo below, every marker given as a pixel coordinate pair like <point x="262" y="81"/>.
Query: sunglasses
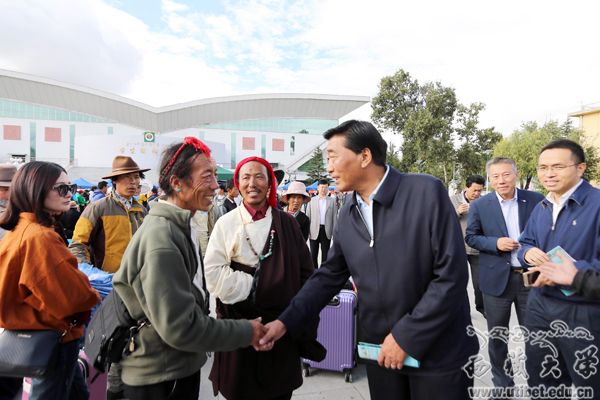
<point x="63" y="189"/>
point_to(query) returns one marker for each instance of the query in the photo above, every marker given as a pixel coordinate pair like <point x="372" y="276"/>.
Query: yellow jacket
<point x="103" y="232"/>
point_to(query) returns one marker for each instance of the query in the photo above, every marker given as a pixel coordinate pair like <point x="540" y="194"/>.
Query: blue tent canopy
<point x="82" y="183"/>
<point x="313" y="186"/>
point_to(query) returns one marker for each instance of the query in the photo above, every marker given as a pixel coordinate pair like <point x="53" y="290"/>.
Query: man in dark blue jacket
<point x="399" y="238"/>
<point x="568" y="217"/>
<point x="494" y="225"/>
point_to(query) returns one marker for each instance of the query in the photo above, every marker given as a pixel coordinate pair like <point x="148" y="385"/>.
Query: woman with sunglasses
<point x="40" y="285"/>
<point x="161" y="280"/>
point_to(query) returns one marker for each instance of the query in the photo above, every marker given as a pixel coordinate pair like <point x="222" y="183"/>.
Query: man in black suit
<point x="232" y="192"/>
<point x="399" y="238"/>
<point x="494" y="225"/>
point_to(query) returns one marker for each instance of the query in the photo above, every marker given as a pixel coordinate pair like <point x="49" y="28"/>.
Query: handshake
<point x="265" y="336"/>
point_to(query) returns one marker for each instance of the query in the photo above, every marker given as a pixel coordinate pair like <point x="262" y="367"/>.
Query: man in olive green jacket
<point x="155" y="282"/>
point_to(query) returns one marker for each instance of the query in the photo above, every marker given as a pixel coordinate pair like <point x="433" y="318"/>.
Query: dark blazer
<point x="304" y="223"/>
<point x="411" y="281"/>
<point x="229" y="205"/>
<point x="485" y="225"/>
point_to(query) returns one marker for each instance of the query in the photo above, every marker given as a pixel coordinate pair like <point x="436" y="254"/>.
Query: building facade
<point x="83" y="129"/>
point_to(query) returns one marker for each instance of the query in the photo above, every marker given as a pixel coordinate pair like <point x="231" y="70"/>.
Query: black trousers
<point x="387" y="384"/>
<point x="314" y="247"/>
<point x="497" y="310"/>
<point x="474" y="264"/>
<point x="9" y="387"/>
<point x="178" y="389"/>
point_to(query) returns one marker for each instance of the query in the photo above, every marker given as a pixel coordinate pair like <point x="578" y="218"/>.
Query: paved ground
<point x="324" y="385"/>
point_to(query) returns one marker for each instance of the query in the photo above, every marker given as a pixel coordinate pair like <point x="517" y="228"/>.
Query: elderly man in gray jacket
<point x="461" y="202"/>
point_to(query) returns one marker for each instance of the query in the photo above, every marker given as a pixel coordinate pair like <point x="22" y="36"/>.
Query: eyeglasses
<point x="556" y="167"/>
<point x="63" y="189"/>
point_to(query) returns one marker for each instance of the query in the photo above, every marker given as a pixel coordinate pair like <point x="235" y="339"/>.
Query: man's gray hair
<point x="500" y="160"/>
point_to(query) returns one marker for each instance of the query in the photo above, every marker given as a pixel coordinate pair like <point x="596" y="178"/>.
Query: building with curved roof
<point x="83" y="129"/>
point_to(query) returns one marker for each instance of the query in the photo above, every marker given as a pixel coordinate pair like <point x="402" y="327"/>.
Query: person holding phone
<point x="585" y="281"/>
<point x="568" y="217"/>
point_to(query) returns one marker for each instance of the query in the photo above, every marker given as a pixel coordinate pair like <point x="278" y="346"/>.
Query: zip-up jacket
<point x="577" y="230"/>
<point x="411" y="273"/>
<point x="155" y="283"/>
<point x="40" y="285"/>
<point x="103" y="232"/>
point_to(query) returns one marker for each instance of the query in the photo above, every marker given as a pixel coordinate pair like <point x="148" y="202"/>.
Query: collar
<point x="29" y="216"/>
<point x="501" y="200"/>
<point x="123" y="200"/>
<point x="387" y="191"/>
<point x="374" y="192"/>
<point x="165" y="201"/>
<point x="565" y="197"/>
<point x="465" y="196"/>
<point x="172" y="213"/>
<point x="259" y="214"/>
<point x="293" y="214"/>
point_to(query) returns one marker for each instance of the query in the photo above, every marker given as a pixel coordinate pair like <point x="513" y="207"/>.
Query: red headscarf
<point x="272" y="200"/>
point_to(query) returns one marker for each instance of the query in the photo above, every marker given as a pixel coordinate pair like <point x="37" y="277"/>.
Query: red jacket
<point x="40" y="285"/>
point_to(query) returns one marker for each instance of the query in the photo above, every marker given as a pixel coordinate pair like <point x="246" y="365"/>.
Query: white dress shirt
<point x="510" y="211"/>
<point x="366" y="210"/>
<point x="556" y="207"/>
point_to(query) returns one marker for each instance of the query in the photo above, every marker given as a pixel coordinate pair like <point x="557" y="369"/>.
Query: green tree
<point x="315" y="168"/>
<point x="524" y="145"/>
<point x="434" y="127"/>
<point x="392" y="157"/>
<point x="475" y="144"/>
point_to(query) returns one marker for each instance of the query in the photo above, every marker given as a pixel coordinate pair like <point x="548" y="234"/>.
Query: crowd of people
<point x="398" y="237"/>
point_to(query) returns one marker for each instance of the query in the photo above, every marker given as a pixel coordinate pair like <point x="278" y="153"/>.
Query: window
<point x="278" y="144"/>
<point x="12" y="132"/>
<point x="248" y="143"/>
<point x="52" y="135"/>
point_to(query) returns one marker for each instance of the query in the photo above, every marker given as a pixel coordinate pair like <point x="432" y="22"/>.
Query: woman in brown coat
<point x="40" y="285"/>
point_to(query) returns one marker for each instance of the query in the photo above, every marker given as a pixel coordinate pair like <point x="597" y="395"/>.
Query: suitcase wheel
<point x="305" y="370"/>
<point x="348" y="376"/>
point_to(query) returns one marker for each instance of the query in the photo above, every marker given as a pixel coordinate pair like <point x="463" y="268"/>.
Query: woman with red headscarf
<point x="256" y="261"/>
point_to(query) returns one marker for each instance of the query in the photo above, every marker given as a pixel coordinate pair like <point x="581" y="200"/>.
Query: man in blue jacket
<point x="399" y="238"/>
<point x="494" y="225"/>
<point x="568" y="217"/>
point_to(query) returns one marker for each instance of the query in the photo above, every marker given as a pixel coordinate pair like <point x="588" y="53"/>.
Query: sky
<point x="525" y="60"/>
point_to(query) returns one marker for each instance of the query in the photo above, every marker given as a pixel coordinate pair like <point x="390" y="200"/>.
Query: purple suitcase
<point x="96" y="380"/>
<point x="337" y="333"/>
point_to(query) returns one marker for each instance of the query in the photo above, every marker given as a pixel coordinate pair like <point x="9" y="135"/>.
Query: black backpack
<point x="111" y="332"/>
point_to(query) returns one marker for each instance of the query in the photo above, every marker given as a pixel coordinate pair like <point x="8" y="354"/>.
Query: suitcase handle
<point x="335" y="301"/>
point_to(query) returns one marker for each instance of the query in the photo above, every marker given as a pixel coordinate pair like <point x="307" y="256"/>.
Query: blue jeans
<point x="59" y="380"/>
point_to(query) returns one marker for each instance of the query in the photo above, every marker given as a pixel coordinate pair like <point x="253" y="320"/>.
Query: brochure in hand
<point x="370" y="351"/>
<point x="554" y="257"/>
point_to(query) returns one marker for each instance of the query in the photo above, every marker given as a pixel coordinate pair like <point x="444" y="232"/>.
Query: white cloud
<point x="525" y="60"/>
<point x="69" y="41"/>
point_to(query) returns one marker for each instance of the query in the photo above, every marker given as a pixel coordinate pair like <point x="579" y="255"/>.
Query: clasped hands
<point x="265" y="336"/>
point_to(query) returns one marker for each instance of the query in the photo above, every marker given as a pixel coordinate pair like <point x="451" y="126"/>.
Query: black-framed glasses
<point x="556" y="167"/>
<point x="63" y="189"/>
